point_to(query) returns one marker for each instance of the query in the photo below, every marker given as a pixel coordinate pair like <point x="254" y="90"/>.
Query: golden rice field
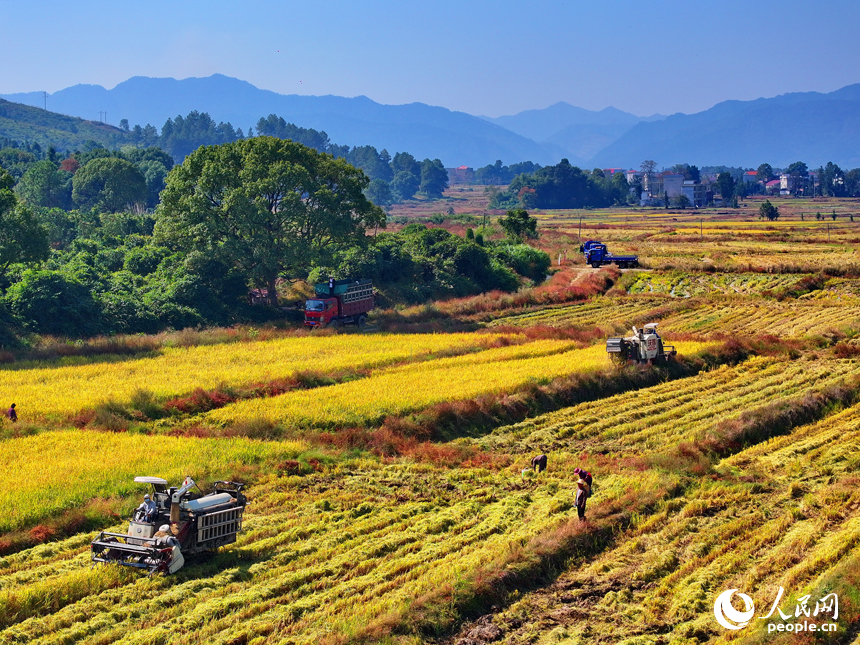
<point x="62" y="388"/>
<point x="368" y="547"/>
<point x="407" y="388"/>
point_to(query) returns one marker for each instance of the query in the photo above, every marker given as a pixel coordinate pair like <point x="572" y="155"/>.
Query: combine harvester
<point x="644" y="346"/>
<point x="182" y="524"/>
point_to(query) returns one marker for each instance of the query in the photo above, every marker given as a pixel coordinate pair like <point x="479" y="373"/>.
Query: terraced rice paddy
<point x="328" y="556"/>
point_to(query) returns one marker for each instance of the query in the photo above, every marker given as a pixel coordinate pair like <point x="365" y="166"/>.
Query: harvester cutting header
<point x="173" y="523"/>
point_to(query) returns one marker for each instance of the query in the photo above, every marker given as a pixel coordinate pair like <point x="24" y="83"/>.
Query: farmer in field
<point x="13" y="416"/>
<point x="583" y="474"/>
<point x="583" y="492"/>
<point x="539" y="463"/>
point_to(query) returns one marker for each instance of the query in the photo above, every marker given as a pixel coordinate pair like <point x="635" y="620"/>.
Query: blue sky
<point x="482" y="57"/>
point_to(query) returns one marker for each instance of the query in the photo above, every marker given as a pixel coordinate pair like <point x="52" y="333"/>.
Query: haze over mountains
<point x="812" y="127"/>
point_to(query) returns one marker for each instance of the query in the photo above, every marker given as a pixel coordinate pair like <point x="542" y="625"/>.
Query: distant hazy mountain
<point x="810" y="127"/>
<point x="425" y="131"/>
<point x="582" y="133"/>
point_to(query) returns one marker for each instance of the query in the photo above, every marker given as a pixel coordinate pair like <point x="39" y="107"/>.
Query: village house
<point x="460" y="175"/>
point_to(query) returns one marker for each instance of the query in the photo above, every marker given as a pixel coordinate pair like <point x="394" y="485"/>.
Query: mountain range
<point x="809" y="126"/>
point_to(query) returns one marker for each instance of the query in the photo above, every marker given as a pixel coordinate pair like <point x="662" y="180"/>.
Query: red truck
<point x="339" y="302"/>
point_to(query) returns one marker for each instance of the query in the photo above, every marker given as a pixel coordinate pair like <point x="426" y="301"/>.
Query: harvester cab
<point x="184" y="523"/>
<point x="644" y="346"/>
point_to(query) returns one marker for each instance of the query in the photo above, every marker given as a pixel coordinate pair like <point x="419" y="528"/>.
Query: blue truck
<point x="598" y="255"/>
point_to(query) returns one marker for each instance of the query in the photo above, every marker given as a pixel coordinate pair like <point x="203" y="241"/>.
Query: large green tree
<point x="434" y="178"/>
<point x="269" y="207"/>
<point x="405" y="185"/>
<point x="110" y="184"/>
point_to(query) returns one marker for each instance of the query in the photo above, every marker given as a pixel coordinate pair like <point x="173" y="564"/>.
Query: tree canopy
<point x="110" y="184"/>
<point x="518" y="224"/>
<point x="269" y="207"/>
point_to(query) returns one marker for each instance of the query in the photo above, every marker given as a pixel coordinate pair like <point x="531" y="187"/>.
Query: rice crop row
<point x="404" y="389"/>
<point x="64" y="389"/>
<point x="686" y="285"/>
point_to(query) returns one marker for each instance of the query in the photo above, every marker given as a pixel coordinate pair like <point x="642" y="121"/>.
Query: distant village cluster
<point x="697" y="189"/>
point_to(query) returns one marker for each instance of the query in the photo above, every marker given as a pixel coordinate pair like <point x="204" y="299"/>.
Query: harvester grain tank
<point x="644" y="346"/>
<point x="195" y="523"/>
<point x="339" y="302"/>
<point x="598" y="255"/>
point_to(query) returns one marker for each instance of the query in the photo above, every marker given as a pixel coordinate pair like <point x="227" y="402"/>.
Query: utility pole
<point x="701" y="227"/>
<point x="580" y="229"/>
<point x="46" y="101"/>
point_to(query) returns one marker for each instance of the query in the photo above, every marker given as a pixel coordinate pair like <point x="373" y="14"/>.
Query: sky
<point x="483" y="57"/>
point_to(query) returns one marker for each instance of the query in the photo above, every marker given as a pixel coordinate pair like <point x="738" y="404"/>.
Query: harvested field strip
<point x="787" y="319"/>
<point x="373" y="558"/>
<point x="782" y="513"/>
<point x="64" y="389"/>
<point x="660" y="417"/>
<point x="597" y="311"/>
<point x="686" y="285"/>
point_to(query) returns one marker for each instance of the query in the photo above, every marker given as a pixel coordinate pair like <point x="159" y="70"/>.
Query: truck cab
<point x="320" y="311"/>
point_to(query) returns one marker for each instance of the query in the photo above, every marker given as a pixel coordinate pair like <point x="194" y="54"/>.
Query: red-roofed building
<point x="750" y="176"/>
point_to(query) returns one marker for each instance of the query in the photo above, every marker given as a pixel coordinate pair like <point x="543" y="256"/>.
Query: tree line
<point x="251" y="213"/>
